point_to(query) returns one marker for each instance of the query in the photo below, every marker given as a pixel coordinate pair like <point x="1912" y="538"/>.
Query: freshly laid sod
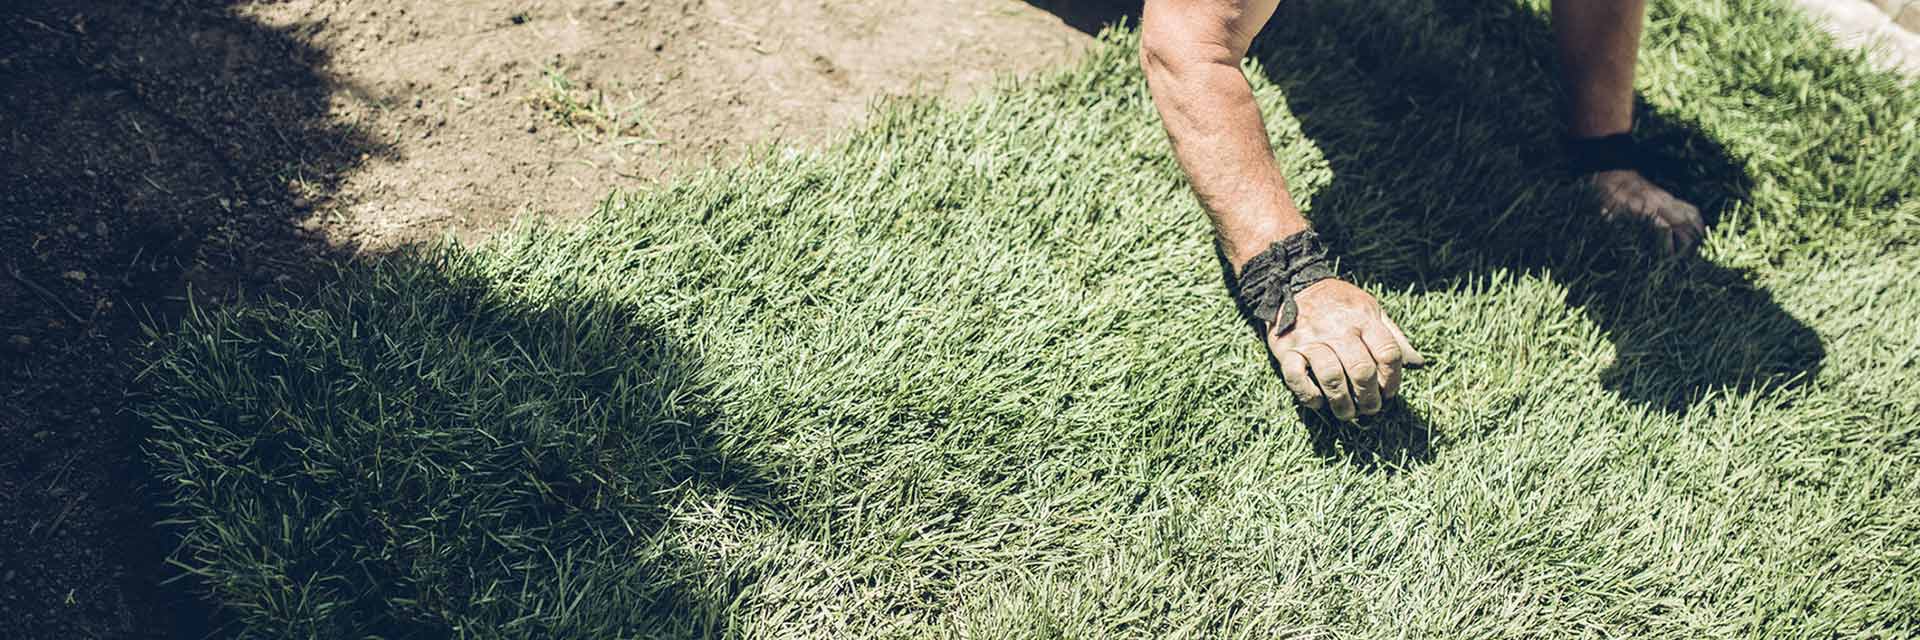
<point x="971" y="372"/>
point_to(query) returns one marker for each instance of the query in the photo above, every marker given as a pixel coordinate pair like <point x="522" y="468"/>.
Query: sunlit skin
<point x="1343" y="351"/>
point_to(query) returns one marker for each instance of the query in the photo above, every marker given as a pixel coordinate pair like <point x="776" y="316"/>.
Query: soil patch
<point x="498" y="109"/>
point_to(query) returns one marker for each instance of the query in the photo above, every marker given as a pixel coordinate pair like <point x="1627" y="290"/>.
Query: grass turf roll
<point x="971" y="372"/>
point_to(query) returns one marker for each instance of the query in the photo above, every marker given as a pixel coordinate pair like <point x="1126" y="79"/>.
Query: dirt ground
<point x="468" y="102"/>
<point x="157" y="150"/>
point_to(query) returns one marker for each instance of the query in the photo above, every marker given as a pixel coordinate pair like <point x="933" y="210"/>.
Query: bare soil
<point x="455" y="90"/>
<point x="153" y="151"/>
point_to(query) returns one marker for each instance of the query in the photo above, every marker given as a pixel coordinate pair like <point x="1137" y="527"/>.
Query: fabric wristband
<point x="1605" y="153"/>
<point x="1267" y="284"/>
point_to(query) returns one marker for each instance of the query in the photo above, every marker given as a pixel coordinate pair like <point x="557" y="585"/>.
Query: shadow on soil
<point x="150" y="147"/>
<point x="1428" y="208"/>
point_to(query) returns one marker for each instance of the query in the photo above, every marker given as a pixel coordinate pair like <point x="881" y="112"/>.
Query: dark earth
<point x="149" y="152"/>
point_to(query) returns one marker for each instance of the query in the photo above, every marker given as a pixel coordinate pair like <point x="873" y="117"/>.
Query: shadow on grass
<point x="410" y="452"/>
<point x="1441" y="127"/>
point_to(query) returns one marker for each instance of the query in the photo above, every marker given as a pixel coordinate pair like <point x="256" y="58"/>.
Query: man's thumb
<point x="1409" y="356"/>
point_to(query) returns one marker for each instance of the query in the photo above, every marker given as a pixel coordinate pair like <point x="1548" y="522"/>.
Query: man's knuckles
<point x="1363" y="373"/>
<point x="1388" y="353"/>
<point x="1332" y="384"/>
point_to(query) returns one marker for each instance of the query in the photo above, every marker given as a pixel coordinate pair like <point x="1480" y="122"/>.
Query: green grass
<point x="971" y="373"/>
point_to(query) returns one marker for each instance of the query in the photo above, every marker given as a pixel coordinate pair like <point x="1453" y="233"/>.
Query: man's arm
<point x="1191" y="50"/>
<point x="1342" y="351"/>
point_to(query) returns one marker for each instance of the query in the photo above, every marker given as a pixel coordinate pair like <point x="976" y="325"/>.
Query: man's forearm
<point x="1332" y="343"/>
<point x="1217" y="133"/>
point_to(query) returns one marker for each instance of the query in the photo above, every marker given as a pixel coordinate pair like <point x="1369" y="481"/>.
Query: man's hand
<point x="1342" y="351"/>
<point x="1625" y="194"/>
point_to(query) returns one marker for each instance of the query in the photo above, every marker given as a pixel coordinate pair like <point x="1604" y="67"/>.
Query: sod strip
<point x="971" y="372"/>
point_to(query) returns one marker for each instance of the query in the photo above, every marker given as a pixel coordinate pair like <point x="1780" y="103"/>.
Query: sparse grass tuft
<point x="971" y="373"/>
<point x="586" y="109"/>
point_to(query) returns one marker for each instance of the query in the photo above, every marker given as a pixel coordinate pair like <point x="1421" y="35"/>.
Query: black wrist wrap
<point x="1269" y="281"/>
<point x="1605" y="153"/>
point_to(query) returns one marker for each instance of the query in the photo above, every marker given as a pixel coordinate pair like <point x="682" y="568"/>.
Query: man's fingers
<point x="1386" y="354"/>
<point x="1332" y="378"/>
<point x="1293" y="369"/>
<point x="1363" y="374"/>
<point x="1409" y="356"/>
<point x="1691" y="226"/>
